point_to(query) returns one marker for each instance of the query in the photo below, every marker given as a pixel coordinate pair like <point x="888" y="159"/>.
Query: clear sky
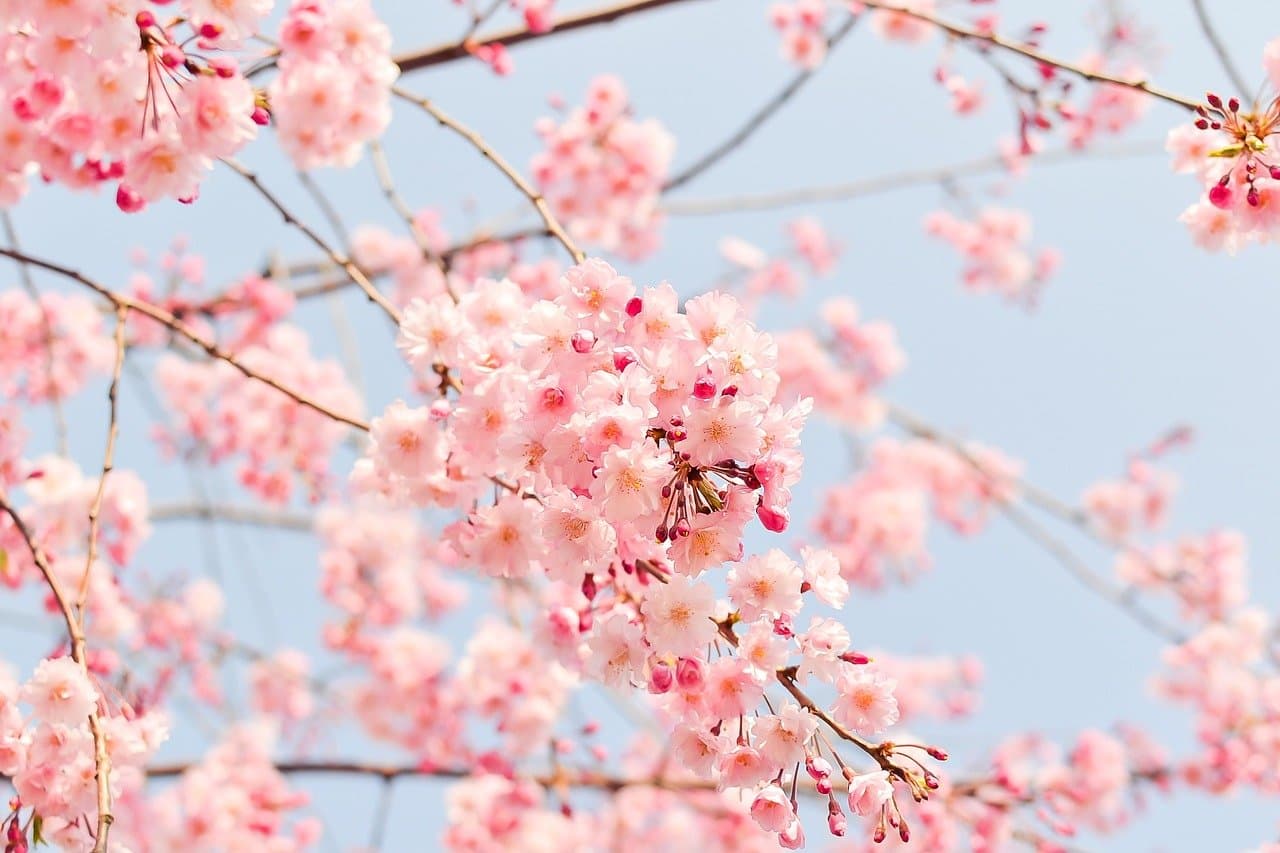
<point x="1140" y="331"/>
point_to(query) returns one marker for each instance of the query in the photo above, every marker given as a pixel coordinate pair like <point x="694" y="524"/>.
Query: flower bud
<point x="690" y="674"/>
<point x="660" y="677"/>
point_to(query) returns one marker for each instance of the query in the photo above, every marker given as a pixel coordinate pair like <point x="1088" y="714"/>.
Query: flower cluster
<point x="108" y="93"/>
<point x="333" y="92"/>
<point x="51" y="346"/>
<point x="877" y="521"/>
<point x="1231" y="149"/>
<point x="602" y="170"/>
<point x="234" y="799"/>
<point x="221" y="413"/>
<point x="811" y="248"/>
<point x="841" y="373"/>
<point x="994" y="247"/>
<point x="800" y="24"/>
<point x="48" y="753"/>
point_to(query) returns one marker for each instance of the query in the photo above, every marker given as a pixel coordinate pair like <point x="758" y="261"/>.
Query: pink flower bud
<point x="837" y="823"/>
<point x="661" y="677"/>
<point x="690" y="674"/>
<point x="172" y="56"/>
<point x="621" y="359"/>
<point x="1220" y="196"/>
<point x="634" y="306"/>
<point x="261" y="117"/>
<point x="583" y="340"/>
<point x="128" y="200"/>
<point x="818" y="768"/>
<point x="144" y="20"/>
<point x="209" y="30"/>
<point x="704" y="388"/>
<point x="773" y="520"/>
<point x="589" y="586"/>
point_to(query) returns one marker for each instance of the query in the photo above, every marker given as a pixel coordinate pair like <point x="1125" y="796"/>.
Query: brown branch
<point x="338" y="258"/>
<point x="759" y="118"/>
<point x="75" y="635"/>
<point x="388" y="772"/>
<point x="166" y="319"/>
<point x="960" y="31"/>
<point x="1219" y="49"/>
<point x="452" y="51"/>
<point x="535" y="198"/>
<point x="108" y="459"/>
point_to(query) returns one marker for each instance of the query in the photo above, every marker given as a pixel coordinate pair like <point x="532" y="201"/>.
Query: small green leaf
<point x="37" y="829"/>
<point x="1232" y="150"/>
<point x="4" y="562"/>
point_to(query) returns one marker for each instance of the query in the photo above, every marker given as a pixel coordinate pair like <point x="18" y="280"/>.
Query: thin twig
<point x="1220" y="49"/>
<point x="382" y="169"/>
<point x="349" y="267"/>
<point x="166" y="319"/>
<point x="760" y="117"/>
<point x="535" y="198"/>
<point x="381" y="814"/>
<point x="890" y="182"/>
<point x="995" y="40"/>
<point x="24" y="275"/>
<point x="1118" y="595"/>
<point x="342" y="328"/>
<point x="108" y="460"/>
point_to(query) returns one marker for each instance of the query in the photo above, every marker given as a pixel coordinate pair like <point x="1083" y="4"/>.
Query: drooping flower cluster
<point x="876" y="523"/>
<point x="333" y="92"/>
<point x="811" y="248"/>
<point x="234" y="799"/>
<point x="379" y="569"/>
<point x="50" y="347"/>
<point x="57" y="513"/>
<point x="48" y="752"/>
<point x="98" y="93"/>
<point x="841" y="373"/>
<point x="602" y="170"/>
<point x="642" y="428"/>
<point x="1231" y="149"/>
<point x="994" y="247"/>
<point x="221" y="413"/>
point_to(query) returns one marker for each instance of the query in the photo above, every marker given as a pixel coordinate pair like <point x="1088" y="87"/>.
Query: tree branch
<point x="535" y="198"/>
<point x="760" y="117"/>
<point x="452" y="51"/>
<point x="166" y="319"/>
<point x="996" y="40"/>
<point x="341" y="260"/>
<point x="885" y="183"/>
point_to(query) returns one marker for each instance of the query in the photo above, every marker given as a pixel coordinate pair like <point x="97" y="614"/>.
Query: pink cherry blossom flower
<point x="865" y="701"/>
